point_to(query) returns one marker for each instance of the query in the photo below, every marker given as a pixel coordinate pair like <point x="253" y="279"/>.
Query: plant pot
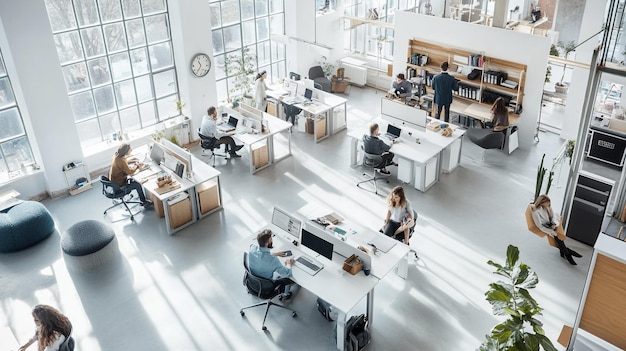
<point x="248" y="100"/>
<point x="560" y="89"/>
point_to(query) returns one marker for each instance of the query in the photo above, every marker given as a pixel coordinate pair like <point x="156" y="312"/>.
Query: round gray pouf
<point x="88" y="244"/>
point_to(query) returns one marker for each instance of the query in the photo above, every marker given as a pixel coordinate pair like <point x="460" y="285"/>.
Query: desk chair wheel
<point x="242" y="313"/>
<point x="264" y="328"/>
<point x="294" y="314"/>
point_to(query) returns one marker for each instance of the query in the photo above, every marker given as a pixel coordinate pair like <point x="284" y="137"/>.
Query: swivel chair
<point x="291" y="112"/>
<point x="375" y="163"/>
<point x="400" y="236"/>
<point x="486" y="138"/>
<point x="317" y="74"/>
<point x="68" y="343"/>
<point x="210" y="144"/>
<point x="266" y="289"/>
<point x="117" y="195"/>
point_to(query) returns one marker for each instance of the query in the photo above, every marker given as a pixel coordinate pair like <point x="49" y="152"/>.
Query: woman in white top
<point x="544" y="219"/>
<point x="52" y="329"/>
<point x="399" y="215"/>
<point x="260" y="95"/>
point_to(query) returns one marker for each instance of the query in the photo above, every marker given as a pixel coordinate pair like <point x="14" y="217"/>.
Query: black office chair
<point x="486" y="138"/>
<point x="375" y="163"/>
<point x="291" y="111"/>
<point x="117" y="195"/>
<point x="266" y="289"/>
<point x="68" y="343"/>
<point x="400" y="236"/>
<point x="317" y="74"/>
<point x="210" y="144"/>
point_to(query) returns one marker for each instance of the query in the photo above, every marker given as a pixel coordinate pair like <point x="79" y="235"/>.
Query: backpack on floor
<point x="357" y="333"/>
<point x="325" y="309"/>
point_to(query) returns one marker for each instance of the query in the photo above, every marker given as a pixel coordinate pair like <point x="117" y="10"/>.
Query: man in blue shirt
<point x="208" y="128"/>
<point x="264" y="264"/>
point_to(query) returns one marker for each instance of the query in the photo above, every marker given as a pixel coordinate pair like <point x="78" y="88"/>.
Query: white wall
<point x="523" y="48"/>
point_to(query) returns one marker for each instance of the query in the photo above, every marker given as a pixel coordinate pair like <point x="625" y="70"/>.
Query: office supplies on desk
<point x="333" y="218"/>
<point x="382" y="244"/>
<point x="308" y="264"/>
<point x="230" y="126"/>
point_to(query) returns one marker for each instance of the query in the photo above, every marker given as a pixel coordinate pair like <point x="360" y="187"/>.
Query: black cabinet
<point x="588" y="208"/>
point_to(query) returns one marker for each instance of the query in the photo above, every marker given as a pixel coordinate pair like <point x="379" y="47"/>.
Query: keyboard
<point x="308" y="265"/>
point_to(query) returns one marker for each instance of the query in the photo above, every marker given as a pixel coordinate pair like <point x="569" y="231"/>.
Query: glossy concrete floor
<point x="184" y="292"/>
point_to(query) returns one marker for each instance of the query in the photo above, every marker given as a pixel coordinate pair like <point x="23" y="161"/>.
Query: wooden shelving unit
<point x="485" y="88"/>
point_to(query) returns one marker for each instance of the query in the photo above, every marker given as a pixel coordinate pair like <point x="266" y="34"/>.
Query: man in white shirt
<point x="208" y="128"/>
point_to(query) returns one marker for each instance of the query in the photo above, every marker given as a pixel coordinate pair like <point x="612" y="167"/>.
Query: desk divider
<point x="343" y="248"/>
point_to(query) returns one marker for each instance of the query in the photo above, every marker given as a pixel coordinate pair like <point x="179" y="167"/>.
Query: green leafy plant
<point x="548" y="74"/>
<point x="569" y="149"/>
<point x="565" y="48"/>
<point x="241" y="68"/>
<point x="174" y="140"/>
<point x="521" y="331"/>
<point x="327" y="67"/>
<point x="541" y="173"/>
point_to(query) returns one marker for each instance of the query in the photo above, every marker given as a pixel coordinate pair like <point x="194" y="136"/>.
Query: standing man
<point x="265" y="264"/>
<point x="208" y="128"/>
<point x="444" y="84"/>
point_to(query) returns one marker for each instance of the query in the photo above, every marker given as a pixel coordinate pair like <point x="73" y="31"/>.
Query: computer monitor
<point x="288" y="223"/>
<point x="317" y="244"/>
<point x="308" y="94"/>
<point x="157" y="154"/>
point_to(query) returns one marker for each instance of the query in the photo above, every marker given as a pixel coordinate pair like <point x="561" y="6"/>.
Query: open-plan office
<point x="184" y="292"/>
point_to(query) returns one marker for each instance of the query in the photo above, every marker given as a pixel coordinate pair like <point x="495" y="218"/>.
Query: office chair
<point x="117" y="195"/>
<point x="210" y="144"/>
<point x="266" y="289"/>
<point x="291" y="111"/>
<point x="532" y="227"/>
<point x="375" y="163"/>
<point x="68" y="343"/>
<point x="486" y="138"/>
<point x="400" y="236"/>
<point x="317" y="74"/>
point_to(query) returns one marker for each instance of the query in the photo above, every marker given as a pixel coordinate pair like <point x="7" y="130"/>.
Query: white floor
<point x="184" y="292"/>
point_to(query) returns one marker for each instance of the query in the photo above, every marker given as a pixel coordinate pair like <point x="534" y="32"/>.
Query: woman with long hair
<point x="52" y="328"/>
<point x="260" y="95"/>
<point x="544" y="219"/>
<point x="399" y="217"/>
<point x="499" y="116"/>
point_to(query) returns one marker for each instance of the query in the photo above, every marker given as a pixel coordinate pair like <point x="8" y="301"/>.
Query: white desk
<point x="418" y="163"/>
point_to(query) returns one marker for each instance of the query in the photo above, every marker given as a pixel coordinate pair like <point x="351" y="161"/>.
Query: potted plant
<point x="510" y="297"/>
<point x="565" y="49"/>
<point x="241" y="68"/>
<point x="327" y="67"/>
<point x="569" y="149"/>
<point x="541" y="173"/>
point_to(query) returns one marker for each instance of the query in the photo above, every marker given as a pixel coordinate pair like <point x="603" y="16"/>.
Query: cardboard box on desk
<point x="353" y="264"/>
<point x="434" y="125"/>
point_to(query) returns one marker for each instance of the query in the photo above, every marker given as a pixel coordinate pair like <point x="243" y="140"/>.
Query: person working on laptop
<point x="401" y="87"/>
<point x="208" y="128"/>
<point x="122" y="167"/>
<point x="399" y="219"/>
<point x="266" y="265"/>
<point x="373" y="145"/>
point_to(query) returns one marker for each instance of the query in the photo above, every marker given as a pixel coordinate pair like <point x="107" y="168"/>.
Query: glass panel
<point x="89" y="132"/>
<point x="277" y="26"/>
<point x="261" y="7"/>
<point x="131" y="8"/>
<point x="276" y="6"/>
<point x="152" y="6"/>
<point x="230" y="12"/>
<point x="160" y="56"/>
<point x="86" y="12"/>
<point x="17" y="153"/>
<point x="110" y="10"/>
<point x="61" y="15"/>
<point x="76" y="77"/>
<point x="125" y="93"/>
<point x="130" y="119"/>
<point x="147" y="113"/>
<point x="216" y="19"/>
<point x="139" y="60"/>
<point x="262" y="30"/>
<point x="263" y="55"/>
<point x="135" y="33"/>
<point x="120" y="66"/>
<point x="167" y="108"/>
<point x="115" y="37"/>
<point x="218" y="43"/>
<point x="6" y="93"/>
<point x="249" y="32"/>
<point x="247" y="10"/>
<point x="278" y="51"/>
<point x="222" y="90"/>
<point x="4" y="171"/>
<point x="3" y="70"/>
<point x="109" y="124"/>
<point x="82" y="106"/>
<point x="164" y="83"/>
<point x="99" y="71"/>
<point x="93" y="41"/>
<point x="232" y="38"/>
<point x="10" y="124"/>
<point x="218" y="67"/>
<point x="68" y="47"/>
<point x="143" y="86"/>
<point x="157" y="28"/>
<point x="104" y="99"/>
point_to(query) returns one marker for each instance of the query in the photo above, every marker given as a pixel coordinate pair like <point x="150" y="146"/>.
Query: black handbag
<point x="474" y="74"/>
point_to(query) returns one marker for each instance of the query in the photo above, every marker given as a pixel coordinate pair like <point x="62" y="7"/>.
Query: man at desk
<point x="373" y="145"/>
<point x="208" y="128"/>
<point x="401" y="87"/>
<point x="122" y="167"/>
<point x="266" y="265"/>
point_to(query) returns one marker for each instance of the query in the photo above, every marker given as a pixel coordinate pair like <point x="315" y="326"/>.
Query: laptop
<point x="230" y="126"/>
<point x="393" y="132"/>
<point x="308" y="264"/>
<point x="382" y="243"/>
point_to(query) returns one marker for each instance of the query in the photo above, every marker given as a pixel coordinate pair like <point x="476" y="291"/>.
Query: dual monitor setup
<point x="172" y="157"/>
<point x="293" y="226"/>
<point x="294" y="88"/>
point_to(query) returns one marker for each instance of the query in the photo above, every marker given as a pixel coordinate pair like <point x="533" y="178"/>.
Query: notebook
<point x="393" y="132"/>
<point x="230" y="126"/>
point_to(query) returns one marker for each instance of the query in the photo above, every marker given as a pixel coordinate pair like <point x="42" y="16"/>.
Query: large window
<point x="117" y="60"/>
<point x="15" y="152"/>
<point x="247" y="23"/>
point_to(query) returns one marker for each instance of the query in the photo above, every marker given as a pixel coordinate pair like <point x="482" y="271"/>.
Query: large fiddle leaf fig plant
<point x="510" y="297"/>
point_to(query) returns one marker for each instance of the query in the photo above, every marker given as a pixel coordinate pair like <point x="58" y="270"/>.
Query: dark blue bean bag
<point x="24" y="225"/>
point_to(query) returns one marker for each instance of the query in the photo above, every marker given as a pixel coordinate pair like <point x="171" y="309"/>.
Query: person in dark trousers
<point x="444" y="84"/>
<point x="123" y="166"/>
<point x="208" y="128"/>
<point x="373" y="145"/>
<point x="544" y="219"/>
<point x="401" y="87"/>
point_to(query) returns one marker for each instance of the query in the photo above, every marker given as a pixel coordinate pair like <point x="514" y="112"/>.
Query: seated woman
<point x="499" y="116"/>
<point x="544" y="219"/>
<point x="122" y="167"/>
<point x="399" y="215"/>
<point x="52" y="328"/>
